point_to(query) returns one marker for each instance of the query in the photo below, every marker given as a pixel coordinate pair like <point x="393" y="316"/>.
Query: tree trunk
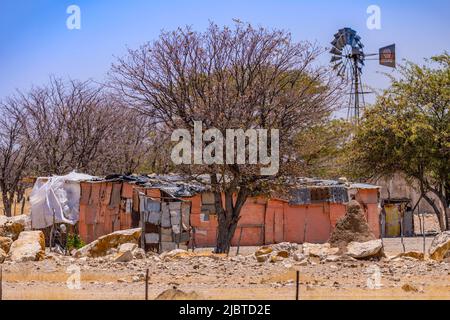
<point x="6" y="204"/>
<point x="437" y="211"/>
<point x="228" y="217"/>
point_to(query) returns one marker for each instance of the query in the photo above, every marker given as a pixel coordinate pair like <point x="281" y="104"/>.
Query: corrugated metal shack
<point x="176" y="211"/>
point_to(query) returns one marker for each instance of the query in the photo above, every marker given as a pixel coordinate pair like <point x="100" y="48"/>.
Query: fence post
<point x="423" y="234"/>
<point x="297" y="285"/>
<point x="146" y="284"/>
<point x="239" y="242"/>
<point x="1" y="283"/>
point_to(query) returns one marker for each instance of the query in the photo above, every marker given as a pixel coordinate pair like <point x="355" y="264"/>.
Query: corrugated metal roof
<point x="363" y="186"/>
<point x="301" y="190"/>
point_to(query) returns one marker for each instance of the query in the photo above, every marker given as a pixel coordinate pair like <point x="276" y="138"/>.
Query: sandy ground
<point x="233" y="277"/>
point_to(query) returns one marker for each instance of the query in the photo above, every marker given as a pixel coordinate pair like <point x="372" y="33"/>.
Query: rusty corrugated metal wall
<point x="263" y="220"/>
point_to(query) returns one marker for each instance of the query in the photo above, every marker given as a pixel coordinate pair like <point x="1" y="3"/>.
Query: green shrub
<point x="74" y="241"/>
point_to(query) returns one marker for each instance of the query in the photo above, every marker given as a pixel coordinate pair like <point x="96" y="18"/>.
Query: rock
<point x="332" y="258"/>
<point x="174" y="254"/>
<point x="365" y="250"/>
<point x="353" y="227"/>
<point x="3" y="255"/>
<point x="303" y="263"/>
<point x="283" y="254"/>
<point x="100" y="247"/>
<point x="126" y="256"/>
<point x="176" y="294"/>
<point x="274" y="259"/>
<point x="409" y="288"/>
<point x="111" y="251"/>
<point x="24" y="220"/>
<point x="127" y="247"/>
<point x="263" y="258"/>
<point x="139" y="253"/>
<point x="319" y="250"/>
<point x="12" y="226"/>
<point x="411" y="254"/>
<point x="298" y="256"/>
<point x="285" y="246"/>
<point x="440" y="246"/>
<point x="263" y="251"/>
<point x="140" y="277"/>
<point x="30" y="246"/>
<point x="5" y="243"/>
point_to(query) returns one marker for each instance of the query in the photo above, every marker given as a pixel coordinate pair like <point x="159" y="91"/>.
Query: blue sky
<point x="35" y="42"/>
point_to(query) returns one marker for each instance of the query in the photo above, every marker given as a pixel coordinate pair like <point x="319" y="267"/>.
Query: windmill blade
<point x="336" y="66"/>
<point x="341" y="42"/>
<point x="334" y="42"/>
<point x="341" y="70"/>
<point x="349" y="36"/>
<point x="336" y="51"/>
<point x="335" y="58"/>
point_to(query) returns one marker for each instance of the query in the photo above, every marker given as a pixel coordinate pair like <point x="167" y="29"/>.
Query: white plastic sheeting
<point x="56" y="199"/>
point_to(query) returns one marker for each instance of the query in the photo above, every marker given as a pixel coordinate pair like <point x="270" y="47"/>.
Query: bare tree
<point x="80" y="126"/>
<point x="17" y="148"/>
<point x="229" y="78"/>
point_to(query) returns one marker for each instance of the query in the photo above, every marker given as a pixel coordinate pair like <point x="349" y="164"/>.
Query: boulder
<point x="263" y="257"/>
<point x="124" y="256"/>
<point x="5" y="243"/>
<point x="127" y="247"/>
<point x="299" y="256"/>
<point x="100" y="247"/>
<point x="3" y="220"/>
<point x="319" y="250"/>
<point x="353" y="227"/>
<point x="30" y="246"/>
<point x="365" y="250"/>
<point x="440" y="246"/>
<point x="12" y="226"/>
<point x="283" y="254"/>
<point x="411" y="254"/>
<point x="3" y="255"/>
<point x="263" y="251"/>
<point x="139" y="253"/>
<point x="24" y="220"/>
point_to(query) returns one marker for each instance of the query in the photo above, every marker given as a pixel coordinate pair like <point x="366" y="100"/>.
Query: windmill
<point x="348" y="59"/>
